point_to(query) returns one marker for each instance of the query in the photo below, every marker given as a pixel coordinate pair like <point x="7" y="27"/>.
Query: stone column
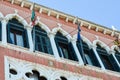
<point x="99" y="60"/>
<point x="113" y="54"/>
<point x="30" y="40"/>
<point x="4" y="31"/>
<point x="53" y="45"/>
<point x="73" y="41"/>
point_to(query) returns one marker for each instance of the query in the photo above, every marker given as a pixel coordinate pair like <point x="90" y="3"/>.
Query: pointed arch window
<point x="16" y="34"/>
<point x="42" y="42"/>
<point x="88" y="53"/>
<point x="107" y="59"/>
<point x="64" y="47"/>
<point x="117" y="55"/>
<point x="0" y="31"/>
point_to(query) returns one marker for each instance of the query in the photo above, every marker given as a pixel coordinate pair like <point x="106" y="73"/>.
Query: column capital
<point x="28" y="27"/>
<point x="112" y="51"/>
<point x="73" y="40"/>
<point x="3" y="19"/>
<point x="93" y="46"/>
<point x="51" y="34"/>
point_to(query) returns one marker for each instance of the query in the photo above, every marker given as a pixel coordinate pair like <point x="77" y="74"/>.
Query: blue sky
<point x="103" y="12"/>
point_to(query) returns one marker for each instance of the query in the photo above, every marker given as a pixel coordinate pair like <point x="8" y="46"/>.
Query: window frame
<point x="62" y="40"/>
<point x="39" y="32"/>
<point x="107" y="57"/>
<point x="14" y="24"/>
<point x="89" y="52"/>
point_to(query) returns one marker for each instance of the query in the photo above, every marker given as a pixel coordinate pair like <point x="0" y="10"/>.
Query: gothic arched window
<point x="107" y="59"/>
<point x="16" y="34"/>
<point x="42" y="42"/>
<point x="64" y="47"/>
<point x="88" y="54"/>
<point x="117" y="55"/>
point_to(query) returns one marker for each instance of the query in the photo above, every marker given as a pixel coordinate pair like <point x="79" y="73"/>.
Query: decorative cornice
<point x="66" y="17"/>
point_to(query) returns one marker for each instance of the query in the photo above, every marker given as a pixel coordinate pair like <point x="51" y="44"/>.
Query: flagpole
<point x="34" y="38"/>
<point x="79" y="40"/>
<point x="33" y="18"/>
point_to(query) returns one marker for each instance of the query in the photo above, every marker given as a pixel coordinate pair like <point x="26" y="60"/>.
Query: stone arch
<point x="18" y="17"/>
<point x="42" y="71"/>
<point x="102" y="44"/>
<point x="115" y="46"/>
<point x="63" y="32"/>
<point x="43" y="26"/>
<point x="84" y="40"/>
<point x="13" y="65"/>
<point x="57" y="74"/>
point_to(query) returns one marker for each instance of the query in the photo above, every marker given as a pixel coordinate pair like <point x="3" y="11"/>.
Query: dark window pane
<point x="106" y="58"/>
<point x="42" y="42"/>
<point x="118" y="57"/>
<point x="16" y="33"/>
<point x="65" y="48"/>
<point x="117" y="54"/>
<point x="45" y="49"/>
<point x="89" y="54"/>
<point x="106" y="62"/>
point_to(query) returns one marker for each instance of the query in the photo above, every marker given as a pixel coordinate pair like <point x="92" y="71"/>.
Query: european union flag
<point x="79" y="40"/>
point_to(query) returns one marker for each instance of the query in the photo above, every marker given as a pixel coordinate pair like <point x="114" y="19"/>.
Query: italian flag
<point x="33" y="17"/>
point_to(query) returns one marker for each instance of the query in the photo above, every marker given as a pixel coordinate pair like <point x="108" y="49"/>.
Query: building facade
<point x="55" y="53"/>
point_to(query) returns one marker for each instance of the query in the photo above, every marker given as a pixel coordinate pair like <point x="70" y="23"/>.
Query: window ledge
<point x="68" y="61"/>
<point x="110" y="72"/>
<point x="45" y="55"/>
<point x="15" y="47"/>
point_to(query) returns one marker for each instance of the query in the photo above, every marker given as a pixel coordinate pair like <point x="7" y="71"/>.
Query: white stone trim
<point x="53" y="45"/>
<point x="102" y="44"/>
<point x="73" y="41"/>
<point x="115" y="47"/>
<point x="99" y="60"/>
<point x="42" y="25"/>
<point x="59" y="29"/>
<point x="4" y="31"/>
<point x="84" y="40"/>
<point x="18" y="17"/>
<point x="1" y="15"/>
<point x="30" y="40"/>
<point x="48" y="72"/>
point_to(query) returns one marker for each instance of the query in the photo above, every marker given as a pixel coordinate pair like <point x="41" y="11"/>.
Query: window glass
<point x="12" y="38"/>
<point x="117" y="55"/>
<point x="16" y="34"/>
<point x="19" y="39"/>
<point x="88" y="59"/>
<point x="64" y="47"/>
<point x="107" y="59"/>
<point x="42" y="42"/>
<point x="89" y="54"/>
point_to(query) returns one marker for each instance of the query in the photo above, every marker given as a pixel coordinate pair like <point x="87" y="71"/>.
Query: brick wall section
<point x="45" y="61"/>
<point x="51" y="22"/>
